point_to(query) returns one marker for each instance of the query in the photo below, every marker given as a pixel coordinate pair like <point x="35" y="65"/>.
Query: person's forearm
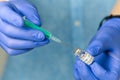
<point x="4" y="0"/>
<point x="116" y="8"/>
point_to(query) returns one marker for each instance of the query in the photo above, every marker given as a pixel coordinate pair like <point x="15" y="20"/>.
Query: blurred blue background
<point x="75" y="22"/>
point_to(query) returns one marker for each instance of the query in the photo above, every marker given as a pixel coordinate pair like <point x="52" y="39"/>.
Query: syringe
<point x="84" y="56"/>
<point x="46" y="33"/>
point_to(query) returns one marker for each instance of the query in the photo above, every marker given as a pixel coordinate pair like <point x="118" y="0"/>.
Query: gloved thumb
<point x="96" y="47"/>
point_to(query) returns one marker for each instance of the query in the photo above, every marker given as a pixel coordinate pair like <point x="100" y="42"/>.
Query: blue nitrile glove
<point x="105" y="47"/>
<point x="15" y="38"/>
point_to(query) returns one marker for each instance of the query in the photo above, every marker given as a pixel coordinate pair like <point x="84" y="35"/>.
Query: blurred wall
<point x="3" y="58"/>
<point x="75" y="22"/>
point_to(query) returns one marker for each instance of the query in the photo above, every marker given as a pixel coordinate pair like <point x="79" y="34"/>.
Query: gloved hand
<point x="105" y="47"/>
<point x="15" y="38"/>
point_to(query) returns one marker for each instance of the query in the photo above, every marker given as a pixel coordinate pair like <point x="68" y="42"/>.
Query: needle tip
<point x="56" y="39"/>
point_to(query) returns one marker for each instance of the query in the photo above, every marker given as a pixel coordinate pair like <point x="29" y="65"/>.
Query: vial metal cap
<point x="77" y="52"/>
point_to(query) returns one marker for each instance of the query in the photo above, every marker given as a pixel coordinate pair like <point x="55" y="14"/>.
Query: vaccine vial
<point x="84" y="56"/>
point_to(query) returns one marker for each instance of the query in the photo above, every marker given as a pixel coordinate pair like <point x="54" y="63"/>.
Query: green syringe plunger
<point x="46" y="33"/>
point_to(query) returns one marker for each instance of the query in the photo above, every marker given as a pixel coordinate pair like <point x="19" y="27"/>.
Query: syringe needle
<point x="56" y="39"/>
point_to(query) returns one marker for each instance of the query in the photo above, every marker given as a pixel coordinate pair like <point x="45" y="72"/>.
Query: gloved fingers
<point x="21" y="33"/>
<point x="114" y="61"/>
<point x="76" y="73"/>
<point x="29" y="11"/>
<point x="103" y="74"/>
<point x="12" y="51"/>
<point x="99" y="71"/>
<point x="11" y="17"/>
<point x="21" y="44"/>
<point x="84" y="71"/>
